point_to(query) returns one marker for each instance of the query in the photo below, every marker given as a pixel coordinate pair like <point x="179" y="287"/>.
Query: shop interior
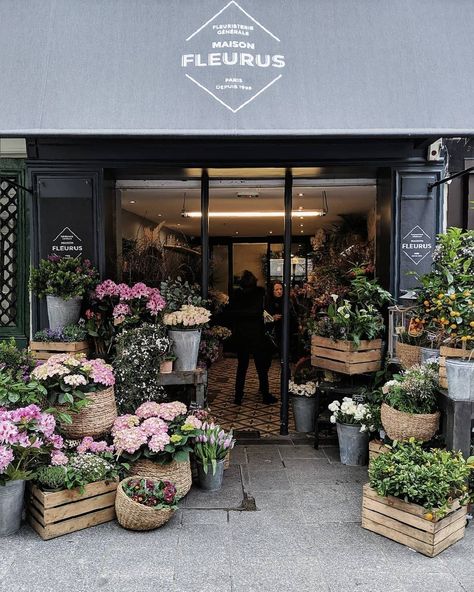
<point x="333" y="226"/>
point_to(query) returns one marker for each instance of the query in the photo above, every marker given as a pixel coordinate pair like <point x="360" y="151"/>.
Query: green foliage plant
<point x="65" y="277"/>
<point x="18" y="393"/>
<point x="51" y="478"/>
<point x="178" y="292"/>
<point x="15" y="361"/>
<point x="414" y="391"/>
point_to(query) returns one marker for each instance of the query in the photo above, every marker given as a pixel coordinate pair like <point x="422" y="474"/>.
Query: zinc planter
<point x="304" y="412"/>
<point x="353" y="444"/>
<point x="185" y="348"/>
<point x="460" y="374"/>
<point x="428" y="353"/>
<point x="63" y="312"/>
<point x="209" y="481"/>
<point x="11" y="506"/>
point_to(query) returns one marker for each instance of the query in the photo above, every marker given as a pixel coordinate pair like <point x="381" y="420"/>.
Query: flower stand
<point x="410" y="524"/>
<point x="345" y="356"/>
<point x="53" y="514"/>
<point x="42" y="350"/>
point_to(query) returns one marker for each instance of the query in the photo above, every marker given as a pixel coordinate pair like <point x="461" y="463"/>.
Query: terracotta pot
<point x="166" y="367"/>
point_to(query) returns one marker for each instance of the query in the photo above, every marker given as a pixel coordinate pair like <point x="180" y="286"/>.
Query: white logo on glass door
<point x="233" y="57"/>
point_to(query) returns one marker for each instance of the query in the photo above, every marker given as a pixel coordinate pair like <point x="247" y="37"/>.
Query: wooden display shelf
<point x="53" y="514"/>
<point x="407" y="524"/>
<point x="345" y="356"/>
<point x="43" y="350"/>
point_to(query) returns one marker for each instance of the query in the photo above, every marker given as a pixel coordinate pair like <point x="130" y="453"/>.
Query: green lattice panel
<point x="8" y="253"/>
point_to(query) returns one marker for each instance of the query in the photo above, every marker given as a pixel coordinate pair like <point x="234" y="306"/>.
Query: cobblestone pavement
<point x="287" y="519"/>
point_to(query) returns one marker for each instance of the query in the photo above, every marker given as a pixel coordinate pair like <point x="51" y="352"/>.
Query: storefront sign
<point x="233" y="57"/>
<point x="416" y="245"/>
<point x="67" y="243"/>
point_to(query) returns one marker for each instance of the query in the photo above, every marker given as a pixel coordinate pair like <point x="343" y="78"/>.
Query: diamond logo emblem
<point x="233" y="57"/>
<point x="416" y="245"/>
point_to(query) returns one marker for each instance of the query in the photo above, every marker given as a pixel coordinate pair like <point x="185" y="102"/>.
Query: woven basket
<point x="408" y="355"/>
<point x="179" y="473"/>
<point x="94" y="420"/>
<point x="401" y="426"/>
<point x="135" y="516"/>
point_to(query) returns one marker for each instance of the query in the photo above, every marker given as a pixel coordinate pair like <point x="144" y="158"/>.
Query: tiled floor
<point x="252" y="414"/>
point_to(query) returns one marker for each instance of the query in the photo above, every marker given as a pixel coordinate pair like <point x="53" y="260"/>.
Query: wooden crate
<point x="54" y="514"/>
<point x="376" y="447"/>
<point x="42" y="350"/>
<point x="345" y="356"/>
<point x="406" y="523"/>
<point x="448" y="352"/>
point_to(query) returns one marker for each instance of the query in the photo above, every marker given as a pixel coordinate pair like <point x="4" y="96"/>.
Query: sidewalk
<point x="304" y="536"/>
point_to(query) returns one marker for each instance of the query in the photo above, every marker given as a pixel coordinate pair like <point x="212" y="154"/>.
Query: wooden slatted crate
<point x="345" y="356"/>
<point x="53" y="514"/>
<point x="376" y="447"/>
<point x="42" y="350"/>
<point x="407" y="524"/>
<point x="448" y="352"/>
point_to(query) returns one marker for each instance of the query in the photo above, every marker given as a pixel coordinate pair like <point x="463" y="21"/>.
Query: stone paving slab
<point x="304" y="536"/>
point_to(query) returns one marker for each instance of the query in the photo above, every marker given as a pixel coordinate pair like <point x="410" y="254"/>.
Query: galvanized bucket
<point x="460" y="375"/>
<point x="185" y="348"/>
<point x="209" y="481"/>
<point x="428" y="353"/>
<point x="303" y="411"/>
<point x="63" y="312"/>
<point x="11" y="506"/>
<point x="353" y="444"/>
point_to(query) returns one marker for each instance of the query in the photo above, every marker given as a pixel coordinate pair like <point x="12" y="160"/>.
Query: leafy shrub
<point x="18" y="393"/>
<point x="66" y="334"/>
<point x="414" y="391"/>
<point x="66" y="277"/>
<point x="15" y="361"/>
<point x="51" y="477"/>
<point x="179" y="292"/>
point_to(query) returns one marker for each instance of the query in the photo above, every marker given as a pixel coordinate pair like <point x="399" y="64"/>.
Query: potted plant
<point x="166" y="363"/>
<point x="410" y="408"/>
<point x="184" y="328"/>
<point x="63" y="281"/>
<point x="140" y="352"/>
<point x="221" y="334"/>
<point x="156" y="441"/>
<point x="27" y="436"/>
<point x="145" y="504"/>
<point x="17" y="363"/>
<point x="353" y="425"/>
<point x="303" y="399"/>
<point x="71" y="339"/>
<point x="83" y="387"/>
<point x="211" y="448"/>
<point x="418" y="496"/>
<point x="408" y="347"/>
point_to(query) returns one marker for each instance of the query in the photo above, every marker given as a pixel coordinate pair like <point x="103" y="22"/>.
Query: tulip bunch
<point x="211" y="445"/>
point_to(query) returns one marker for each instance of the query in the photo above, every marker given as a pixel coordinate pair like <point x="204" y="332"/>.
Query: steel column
<point x="205" y="234"/>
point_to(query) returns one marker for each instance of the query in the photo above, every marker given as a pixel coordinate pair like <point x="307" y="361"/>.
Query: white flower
<point x="332" y="419"/>
<point x="334" y="297"/>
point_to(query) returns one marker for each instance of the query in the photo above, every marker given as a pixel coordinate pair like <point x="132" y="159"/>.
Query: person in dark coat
<point x="274" y="306"/>
<point x="248" y="334"/>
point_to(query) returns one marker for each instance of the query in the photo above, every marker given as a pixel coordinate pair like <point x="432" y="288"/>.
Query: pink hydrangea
<point x="170" y="411"/>
<point x="6" y="457"/>
<point x="153" y="426"/>
<point x="140" y="290"/>
<point x="46" y="424"/>
<point x="123" y="422"/>
<point x="8" y="432"/>
<point x="149" y="409"/>
<point x="89" y="445"/>
<point x="129" y="440"/>
<point x="156" y="302"/>
<point x="58" y="458"/>
<point x="57" y="441"/>
<point x="101" y="373"/>
<point x="158" y="442"/>
<point x="193" y="422"/>
<point x="25" y="414"/>
<point x="121" y="310"/>
<point x="105" y="289"/>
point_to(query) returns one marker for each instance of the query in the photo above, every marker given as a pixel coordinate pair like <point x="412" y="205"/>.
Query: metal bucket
<point x="353" y="444"/>
<point x="428" y="353"/>
<point x="209" y="481"/>
<point x="63" y="312"/>
<point x="185" y="348"/>
<point x="460" y="375"/>
<point x="11" y="506"/>
<point x="303" y="411"/>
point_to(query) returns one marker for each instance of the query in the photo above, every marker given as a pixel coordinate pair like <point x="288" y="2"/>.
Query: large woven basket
<point x="179" y="473"/>
<point x="408" y="355"/>
<point x="135" y="516"/>
<point x="94" y="420"/>
<point x="401" y="426"/>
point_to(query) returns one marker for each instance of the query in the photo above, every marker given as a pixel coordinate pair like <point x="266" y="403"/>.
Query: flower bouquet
<point x="144" y="504"/>
<point x="184" y="328"/>
<point x="304" y="404"/>
<point x="84" y="388"/>
<point x="211" y="448"/>
<point x="157" y="440"/>
<point x="353" y="420"/>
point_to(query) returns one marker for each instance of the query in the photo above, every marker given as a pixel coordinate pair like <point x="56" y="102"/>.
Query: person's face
<point x="278" y="290"/>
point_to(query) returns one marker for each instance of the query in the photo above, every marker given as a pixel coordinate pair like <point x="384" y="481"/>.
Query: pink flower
<point x="193" y="422"/>
<point x="124" y="292"/>
<point x="107" y="288"/>
<point x="148" y="409"/>
<point x="46" y="424"/>
<point x="139" y="290"/>
<point x="121" y="310"/>
<point x="57" y="441"/>
<point x="101" y="373"/>
<point x="58" y="458"/>
<point x="88" y="444"/>
<point x="25" y="413"/>
<point x="84" y="446"/>
<point x="6" y="457"/>
<point x="23" y="440"/>
<point x="170" y="411"/>
<point x="158" y="442"/>
<point x="123" y="422"/>
<point x="37" y="443"/>
<point x="156" y="302"/>
<point x="153" y="426"/>
<point x="8" y="432"/>
<point x="129" y="440"/>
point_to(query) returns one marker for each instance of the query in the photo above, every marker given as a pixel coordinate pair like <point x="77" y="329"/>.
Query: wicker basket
<point x="94" y="420"/>
<point x="401" y="426"/>
<point x="408" y="355"/>
<point x="135" y="516"/>
<point x="179" y="473"/>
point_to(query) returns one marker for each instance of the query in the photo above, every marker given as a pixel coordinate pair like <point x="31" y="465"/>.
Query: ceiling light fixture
<point x="300" y="194"/>
<point x="261" y="214"/>
<point x="247" y="194"/>
<point x="132" y="201"/>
